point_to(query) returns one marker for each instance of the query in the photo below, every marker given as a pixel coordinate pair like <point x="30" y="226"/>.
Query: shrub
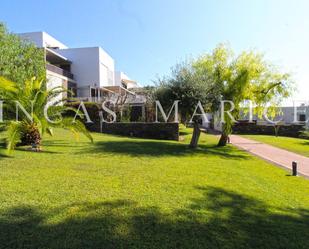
<point x="20" y="60"/>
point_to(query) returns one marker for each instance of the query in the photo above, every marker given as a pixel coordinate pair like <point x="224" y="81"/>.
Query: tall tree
<point x="19" y="60"/>
<point x="190" y="88"/>
<point x="247" y="76"/>
<point x="221" y="75"/>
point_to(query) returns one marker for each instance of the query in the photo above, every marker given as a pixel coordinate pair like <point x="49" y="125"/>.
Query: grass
<point x="133" y="193"/>
<point x="297" y="145"/>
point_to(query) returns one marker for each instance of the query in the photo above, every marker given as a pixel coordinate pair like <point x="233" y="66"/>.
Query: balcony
<point x="59" y="70"/>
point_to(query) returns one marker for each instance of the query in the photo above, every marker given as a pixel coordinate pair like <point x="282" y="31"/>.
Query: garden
<point x="134" y="193"/>
<point x="108" y="191"/>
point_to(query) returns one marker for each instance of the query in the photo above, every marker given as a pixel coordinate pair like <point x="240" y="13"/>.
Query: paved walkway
<point x="280" y="157"/>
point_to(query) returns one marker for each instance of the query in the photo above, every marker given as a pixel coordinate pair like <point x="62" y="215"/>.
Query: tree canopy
<point x="221" y="75"/>
<point x="186" y="85"/>
<point x="247" y="76"/>
<point x="20" y="60"/>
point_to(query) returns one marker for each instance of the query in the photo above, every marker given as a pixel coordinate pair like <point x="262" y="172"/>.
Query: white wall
<point x="90" y="66"/>
<point x="84" y="67"/>
<point x="206" y="124"/>
<point x="131" y="85"/>
<point x="286" y="116"/>
<point x="53" y="80"/>
<point x="49" y="41"/>
<point x="35" y="37"/>
<point x="288" y="113"/>
<point x="42" y="39"/>
<point x="119" y="76"/>
<point x="107" y="69"/>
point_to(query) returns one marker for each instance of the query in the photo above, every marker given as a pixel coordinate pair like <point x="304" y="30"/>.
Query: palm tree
<point x="33" y="96"/>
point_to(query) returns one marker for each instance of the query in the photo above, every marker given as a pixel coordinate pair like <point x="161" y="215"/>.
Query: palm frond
<point x="50" y="131"/>
<point x="76" y="127"/>
<point x="7" y="85"/>
<point x="13" y="135"/>
<point x="33" y="95"/>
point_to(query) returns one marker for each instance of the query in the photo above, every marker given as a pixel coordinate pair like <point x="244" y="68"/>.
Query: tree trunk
<point x="276" y="127"/>
<point x="195" y="135"/>
<point x="226" y="131"/>
<point x="223" y="140"/>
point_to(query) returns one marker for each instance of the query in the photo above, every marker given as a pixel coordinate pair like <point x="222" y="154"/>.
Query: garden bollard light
<point x="294" y="168"/>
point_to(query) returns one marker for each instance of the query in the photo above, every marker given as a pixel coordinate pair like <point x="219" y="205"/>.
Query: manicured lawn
<point x="297" y="145"/>
<point x="132" y="193"/>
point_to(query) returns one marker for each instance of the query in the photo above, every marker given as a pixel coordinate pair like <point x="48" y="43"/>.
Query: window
<point x="302" y="117"/>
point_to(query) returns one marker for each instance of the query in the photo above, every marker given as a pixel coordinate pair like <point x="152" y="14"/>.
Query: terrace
<point x="58" y="64"/>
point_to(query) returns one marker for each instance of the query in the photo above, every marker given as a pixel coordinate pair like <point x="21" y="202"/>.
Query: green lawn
<point x="297" y="145"/>
<point x="133" y="193"/>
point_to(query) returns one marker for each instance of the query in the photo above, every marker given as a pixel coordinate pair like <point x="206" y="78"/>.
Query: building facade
<point x="287" y="115"/>
<point x="88" y="72"/>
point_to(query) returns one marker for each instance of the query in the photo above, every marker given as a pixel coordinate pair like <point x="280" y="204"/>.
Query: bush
<point x="20" y="60"/>
<point x="93" y="110"/>
<point x="283" y="130"/>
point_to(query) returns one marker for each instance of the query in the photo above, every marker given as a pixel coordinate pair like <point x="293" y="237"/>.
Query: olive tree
<point x="218" y="78"/>
<point x="190" y="88"/>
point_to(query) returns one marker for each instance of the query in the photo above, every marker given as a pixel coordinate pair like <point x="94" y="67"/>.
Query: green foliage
<point x="125" y="113"/>
<point x="304" y="134"/>
<point x="14" y="133"/>
<point x="186" y="85"/>
<point x="247" y="76"/>
<point x="93" y="110"/>
<point x="221" y="75"/>
<point x="19" y="59"/>
<point x="33" y="97"/>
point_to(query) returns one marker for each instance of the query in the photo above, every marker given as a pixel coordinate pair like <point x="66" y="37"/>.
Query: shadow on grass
<point x="219" y="219"/>
<point x="3" y="153"/>
<point x="183" y="133"/>
<point x="61" y="143"/>
<point x="304" y="143"/>
<point x="160" y="149"/>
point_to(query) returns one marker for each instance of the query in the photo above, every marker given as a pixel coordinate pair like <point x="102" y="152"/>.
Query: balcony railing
<point x="59" y="70"/>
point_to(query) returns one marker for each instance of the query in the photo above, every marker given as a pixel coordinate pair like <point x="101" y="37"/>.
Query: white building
<point x="287" y="115"/>
<point x="88" y="72"/>
<point x="122" y="79"/>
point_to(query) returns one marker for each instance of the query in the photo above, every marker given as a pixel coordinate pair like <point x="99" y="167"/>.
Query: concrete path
<point x="280" y="157"/>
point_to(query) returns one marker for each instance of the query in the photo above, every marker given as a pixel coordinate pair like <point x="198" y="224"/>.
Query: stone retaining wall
<point x="284" y="130"/>
<point x="164" y="131"/>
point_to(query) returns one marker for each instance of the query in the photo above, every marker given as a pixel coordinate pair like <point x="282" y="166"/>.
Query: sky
<point x="146" y="38"/>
